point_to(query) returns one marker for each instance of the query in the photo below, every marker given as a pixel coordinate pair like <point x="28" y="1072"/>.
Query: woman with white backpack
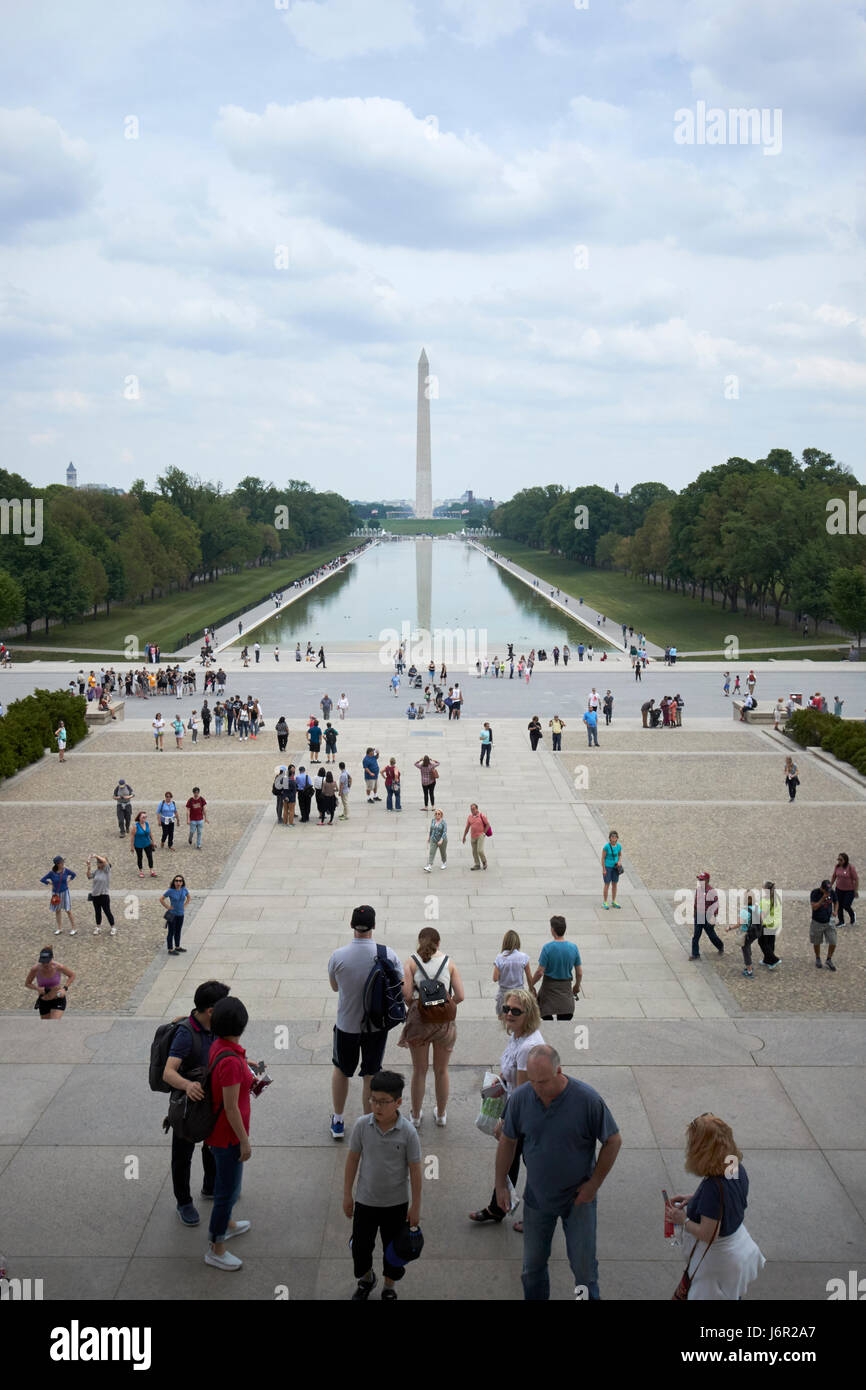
<point x="432" y="989"/>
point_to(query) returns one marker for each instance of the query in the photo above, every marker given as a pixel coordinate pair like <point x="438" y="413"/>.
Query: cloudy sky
<point x="228" y="228"/>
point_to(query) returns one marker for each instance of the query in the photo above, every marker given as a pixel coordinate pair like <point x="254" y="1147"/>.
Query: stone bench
<point x="753" y="716"/>
<point x="94" y="715"/>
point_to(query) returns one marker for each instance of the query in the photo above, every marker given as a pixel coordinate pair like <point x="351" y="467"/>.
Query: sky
<point x="227" y="229"/>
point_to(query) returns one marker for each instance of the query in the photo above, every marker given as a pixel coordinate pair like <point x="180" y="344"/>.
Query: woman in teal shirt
<point x="175" y="899"/>
<point x="141" y="843"/>
<point x="610" y="857"/>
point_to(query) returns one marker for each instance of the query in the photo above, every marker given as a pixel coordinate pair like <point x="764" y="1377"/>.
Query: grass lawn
<point x="167" y="619"/>
<point x="412" y="526"/>
<point x="664" y="617"/>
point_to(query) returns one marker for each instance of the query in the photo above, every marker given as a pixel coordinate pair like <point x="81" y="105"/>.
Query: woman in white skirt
<point x="724" y="1259"/>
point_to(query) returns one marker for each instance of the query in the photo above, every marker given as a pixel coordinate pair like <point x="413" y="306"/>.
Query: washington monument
<point x="423" y="482"/>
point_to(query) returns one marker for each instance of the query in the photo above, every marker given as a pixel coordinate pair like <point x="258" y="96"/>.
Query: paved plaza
<point x="780" y="1056"/>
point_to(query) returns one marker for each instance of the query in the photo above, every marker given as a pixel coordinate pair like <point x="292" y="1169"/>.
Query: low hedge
<point x="844" y="738"/>
<point x="28" y="727"/>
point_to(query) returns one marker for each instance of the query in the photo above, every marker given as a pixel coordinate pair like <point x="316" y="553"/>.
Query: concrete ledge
<point x="754" y="716"/>
<point x="116" y="710"/>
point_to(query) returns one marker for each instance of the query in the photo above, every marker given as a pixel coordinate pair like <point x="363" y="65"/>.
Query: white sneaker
<point x="427" y="869"/>
<point x="240" y="1228"/>
<point x="416" y="1119"/>
<point x="443" y="866"/>
<point x="113" y="931"/>
<point x="58" y="931"/>
<point x="74" y="931"/>
<point x="225" y="1261"/>
<point x="95" y="931"/>
<point x="441" y="1120"/>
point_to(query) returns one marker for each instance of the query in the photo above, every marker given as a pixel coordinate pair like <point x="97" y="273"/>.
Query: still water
<point x="439" y="585"/>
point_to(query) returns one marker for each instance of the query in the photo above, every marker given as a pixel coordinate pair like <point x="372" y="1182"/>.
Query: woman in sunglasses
<point x="520" y="1018"/>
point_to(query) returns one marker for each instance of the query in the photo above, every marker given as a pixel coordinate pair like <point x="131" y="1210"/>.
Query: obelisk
<point x="423" y="481"/>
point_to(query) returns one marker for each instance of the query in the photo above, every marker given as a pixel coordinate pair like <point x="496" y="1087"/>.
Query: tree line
<point x="777" y="533"/>
<point x="97" y="548"/>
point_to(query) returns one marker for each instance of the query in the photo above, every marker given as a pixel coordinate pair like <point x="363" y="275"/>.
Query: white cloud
<point x="339" y="29"/>
<point x="44" y="173"/>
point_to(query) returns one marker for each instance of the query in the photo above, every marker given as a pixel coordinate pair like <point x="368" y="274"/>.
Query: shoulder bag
<point x="681" y="1292"/>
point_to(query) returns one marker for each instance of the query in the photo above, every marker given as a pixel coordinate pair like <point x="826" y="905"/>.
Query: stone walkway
<point x="664" y="1039"/>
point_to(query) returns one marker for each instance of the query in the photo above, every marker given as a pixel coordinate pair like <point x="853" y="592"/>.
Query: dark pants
<point x="485" y="753"/>
<point x="711" y="933"/>
<point x="767" y="943"/>
<point x="227" y="1188"/>
<point x="513" y="1172"/>
<point x="305" y="799"/>
<point x="282" y="740"/>
<point x="429" y="790"/>
<point x="102" y="903"/>
<point x="557" y="743"/>
<point x="181" y="1165"/>
<point x="367" y="1223"/>
<point x="124" y="815"/>
<point x="751" y="935"/>
<point x="844" y="903"/>
<point x="175" y="927"/>
<point x="167" y="834"/>
<point x="791" y="783"/>
<point x="607" y="716"/>
<point x="145" y="849"/>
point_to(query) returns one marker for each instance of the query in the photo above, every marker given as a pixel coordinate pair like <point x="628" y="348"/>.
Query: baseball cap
<point x="45" y="955"/>
<point x="364" y="918"/>
<point x="405" y="1247"/>
<point x="704" y="876"/>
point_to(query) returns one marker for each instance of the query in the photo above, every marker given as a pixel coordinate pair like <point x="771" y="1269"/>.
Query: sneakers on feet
<point x="224" y="1261"/>
<point x="113" y="931"/>
<point x="617" y="906"/>
<point x="364" y="1289"/>
<point x="188" y="1215"/>
<point x="208" y="1196"/>
<point x="441" y="1120"/>
<point x="74" y="931"/>
<point x="95" y="931"/>
<point x="58" y="931"/>
<point x="416" y="1119"/>
<point x="819" y="964"/>
<point x="338" y="1129"/>
<point x="428" y="869"/>
<point x="443" y="866"/>
<point x="831" y="966"/>
<point x="389" y="1295"/>
<point x="605" y="906"/>
<point x="240" y="1228"/>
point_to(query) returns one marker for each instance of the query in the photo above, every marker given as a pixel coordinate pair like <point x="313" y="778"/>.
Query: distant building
<point x="72" y="476"/>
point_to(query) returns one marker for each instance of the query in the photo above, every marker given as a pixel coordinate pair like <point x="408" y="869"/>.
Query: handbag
<point x="435" y="774"/>
<point x="493" y="1100"/>
<point x="488" y="828"/>
<point x="681" y="1292"/>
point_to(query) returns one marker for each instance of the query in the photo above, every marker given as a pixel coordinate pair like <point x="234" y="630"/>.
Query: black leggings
<point x="167" y="833"/>
<point x="844" y="903"/>
<point x="102" y="903"/>
<point x="767" y="943"/>
<point x="145" y="849"/>
<point x="429" y="790"/>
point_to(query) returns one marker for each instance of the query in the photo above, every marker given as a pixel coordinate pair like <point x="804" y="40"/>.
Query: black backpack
<point x="434" y="1001"/>
<point x="194" y="1120"/>
<point x="384" y="1006"/>
<point x="161" y="1047"/>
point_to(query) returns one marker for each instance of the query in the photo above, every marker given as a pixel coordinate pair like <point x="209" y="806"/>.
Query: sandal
<point x="518" y="1227"/>
<point x="484" y="1215"/>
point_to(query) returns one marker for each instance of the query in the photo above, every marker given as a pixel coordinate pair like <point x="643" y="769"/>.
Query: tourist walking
<point x="705" y="915"/>
<point x="558" y="1121"/>
<point x="177" y="726"/>
<point x="520" y="1019"/>
<point x="330" y="743"/>
<point x="750" y="927"/>
<point x="348" y="972"/>
<point x="534" y="727"/>
<point x="344" y="783"/>
<point x="158" y="727"/>
<point x="846" y="882"/>
<point x="556" y="725"/>
<point x="780" y="713"/>
<point x="486" y="737"/>
<point x="326" y="704"/>
<point x="59" y="877"/>
<point x="429" y="769"/>
<point x="560" y="972"/>
<point x="437" y="839"/>
<point x="611" y="854"/>
<point x="432" y="990"/>
<point x="590" y="719"/>
<point x="822" y="927"/>
<point x="279" y="789"/>
<point x="305" y="794"/>
<point x="166" y="814"/>
<point x="99" y="894"/>
<point x="478" y="828"/>
<point x="123" y="795"/>
<point x="771" y="925"/>
<point x="281" y="729"/>
<point x="724" y="1258"/>
<point x="45" y="978"/>
<point x="196" y="816"/>
<point x="231" y="1082"/>
<point x="392" y="786"/>
<point x="321" y="660"/>
<point x="175" y="900"/>
<point x="343" y="705"/>
<point x="61" y="736"/>
<point x="607" y="707"/>
<point x="511" y="970"/>
<point x="389" y="1188"/>
<point x="329" y="799"/>
<point x="141" y="843"/>
<point x="185" y="1068"/>
<point x="792" y="779"/>
<point x="370" y="764"/>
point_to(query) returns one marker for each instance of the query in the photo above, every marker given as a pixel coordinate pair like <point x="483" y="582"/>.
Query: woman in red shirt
<point x="229" y="1140"/>
<point x="846" y="882"/>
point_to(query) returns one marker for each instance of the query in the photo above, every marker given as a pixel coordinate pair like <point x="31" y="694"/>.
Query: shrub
<point x="844" y="739"/>
<point x="28" y="727"/>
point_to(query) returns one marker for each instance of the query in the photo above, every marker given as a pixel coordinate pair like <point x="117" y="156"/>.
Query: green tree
<point x="848" y="600"/>
<point x="11" y="601"/>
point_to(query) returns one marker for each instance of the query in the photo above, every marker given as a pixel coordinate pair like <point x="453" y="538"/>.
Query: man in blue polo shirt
<point x="560" y="1121"/>
<point x="590" y="719"/>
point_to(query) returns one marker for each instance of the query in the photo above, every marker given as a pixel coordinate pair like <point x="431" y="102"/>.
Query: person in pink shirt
<point x="847" y="884"/>
<point x="476" y="827"/>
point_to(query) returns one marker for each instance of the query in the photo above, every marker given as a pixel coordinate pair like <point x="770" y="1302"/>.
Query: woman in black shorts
<point x="45" y="979"/>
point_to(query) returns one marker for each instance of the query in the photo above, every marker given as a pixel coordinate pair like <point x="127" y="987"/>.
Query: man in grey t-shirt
<point x="123" y="795"/>
<point x="348" y="971"/>
<point x="560" y="1121"/>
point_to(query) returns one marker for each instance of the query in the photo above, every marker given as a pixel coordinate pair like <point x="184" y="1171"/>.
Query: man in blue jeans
<point x="590" y="719"/>
<point x="705" y="916"/>
<point x="560" y="1120"/>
